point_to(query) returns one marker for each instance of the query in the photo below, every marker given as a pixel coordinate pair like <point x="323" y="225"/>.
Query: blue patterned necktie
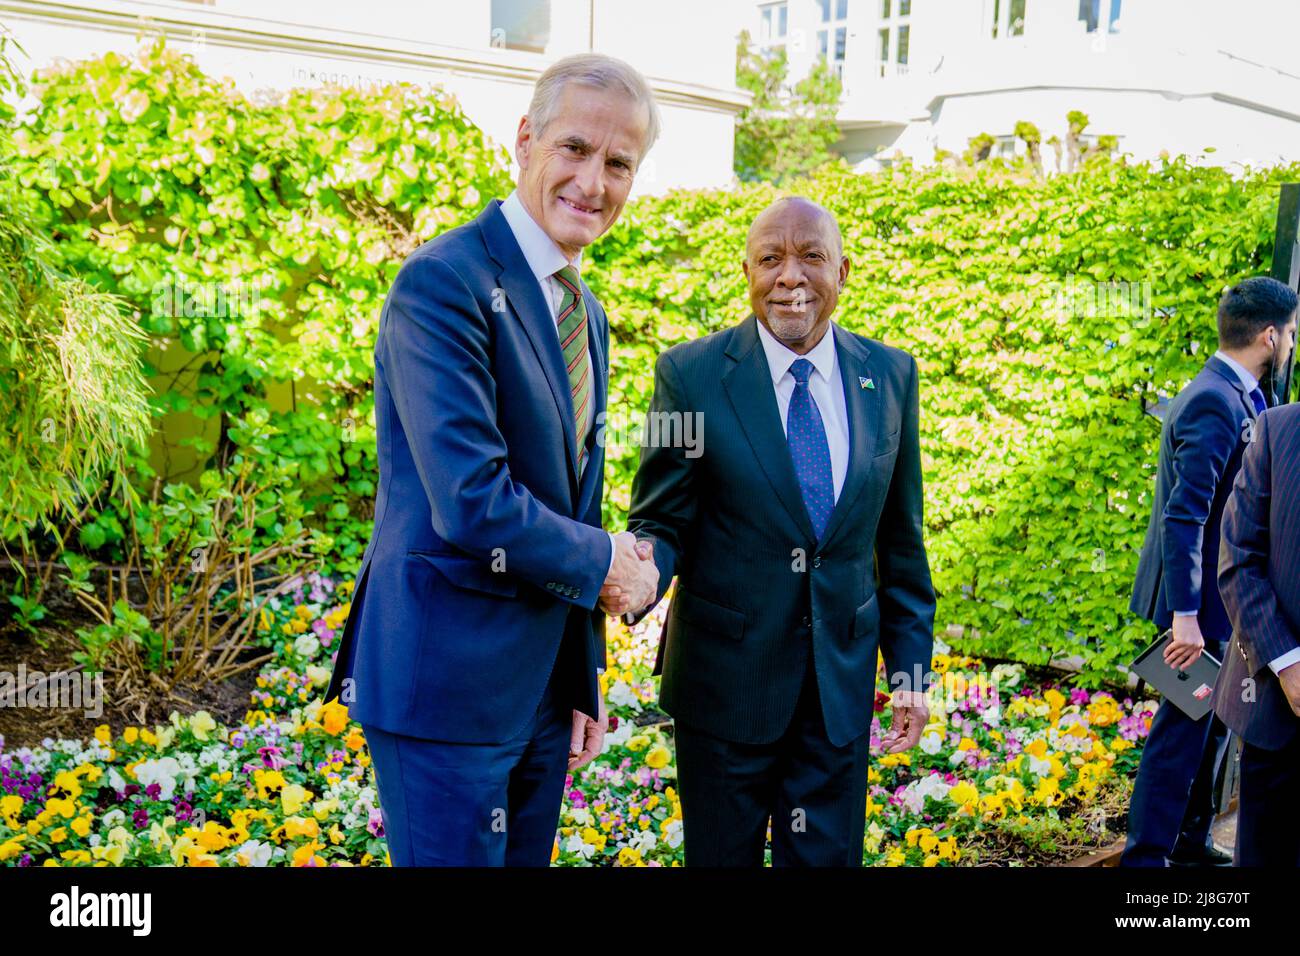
<point x="809" y="449"/>
<point x="1257" y="397"/>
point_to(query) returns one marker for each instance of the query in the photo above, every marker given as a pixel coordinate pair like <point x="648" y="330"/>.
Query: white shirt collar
<point x="780" y="357"/>
<point x="1250" y="381"/>
<point x="543" y="255"/>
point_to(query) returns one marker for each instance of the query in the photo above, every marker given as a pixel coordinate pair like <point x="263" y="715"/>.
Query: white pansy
<point x="932" y="786"/>
<point x="673" y="833"/>
<point x="578" y="848"/>
<point x="115" y="780"/>
<point x="254" y="853"/>
<point x="912" y="799"/>
<point x="164" y="771"/>
<point x="307" y="645"/>
<point x="616" y="738"/>
<point x="112" y="818"/>
<point x="621" y="695"/>
<point x="581" y="816"/>
<point x="931" y="743"/>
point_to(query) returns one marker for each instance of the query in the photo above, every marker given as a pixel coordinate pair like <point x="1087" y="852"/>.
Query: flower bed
<point x="1007" y="771"/>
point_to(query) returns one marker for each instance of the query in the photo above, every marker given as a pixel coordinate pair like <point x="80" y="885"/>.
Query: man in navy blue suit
<point x="1258" y="691"/>
<point x="471" y="653"/>
<point x="1202" y="439"/>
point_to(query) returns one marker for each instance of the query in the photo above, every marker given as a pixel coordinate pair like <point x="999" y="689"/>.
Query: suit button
<point x="817" y="561"/>
<point x="807" y="621"/>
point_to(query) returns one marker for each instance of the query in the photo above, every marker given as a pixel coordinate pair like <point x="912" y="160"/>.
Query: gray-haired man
<point x="475" y="644"/>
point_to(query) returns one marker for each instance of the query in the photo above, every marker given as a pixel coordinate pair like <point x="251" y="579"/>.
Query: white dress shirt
<point x="1250" y="382"/>
<point x="827" y="390"/>
<point x="545" y="259"/>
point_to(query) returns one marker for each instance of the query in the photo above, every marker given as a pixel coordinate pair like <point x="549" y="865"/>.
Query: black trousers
<point x="1268" y="832"/>
<point x="814" y="793"/>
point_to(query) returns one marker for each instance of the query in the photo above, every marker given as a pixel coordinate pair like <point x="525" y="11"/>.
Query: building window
<point x="1008" y="18"/>
<point x="1090" y="12"/>
<point x="834" y="26"/>
<point x="775" y="24"/>
<point x="521" y="24"/>
<point x="894" y="35"/>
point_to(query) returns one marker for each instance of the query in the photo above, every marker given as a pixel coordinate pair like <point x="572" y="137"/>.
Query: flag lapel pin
<point x="866" y="382"/>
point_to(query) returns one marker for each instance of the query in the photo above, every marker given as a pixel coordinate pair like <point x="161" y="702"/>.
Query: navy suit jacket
<point x="487" y="555"/>
<point x="1201" y="442"/>
<point x="1259" y="582"/>
<point x="756" y="590"/>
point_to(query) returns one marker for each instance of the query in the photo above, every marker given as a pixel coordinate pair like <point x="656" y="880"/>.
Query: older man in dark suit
<point x="1258" y="691"/>
<point x="796" y="538"/>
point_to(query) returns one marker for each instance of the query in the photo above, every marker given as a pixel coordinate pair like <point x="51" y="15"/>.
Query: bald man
<point x="793" y="525"/>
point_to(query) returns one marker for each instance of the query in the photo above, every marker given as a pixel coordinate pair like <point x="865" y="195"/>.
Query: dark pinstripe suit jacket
<point x="756" y="590"/>
<point x="1260" y="582"/>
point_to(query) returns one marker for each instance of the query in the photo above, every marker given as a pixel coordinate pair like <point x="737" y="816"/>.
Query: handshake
<point x="633" y="578"/>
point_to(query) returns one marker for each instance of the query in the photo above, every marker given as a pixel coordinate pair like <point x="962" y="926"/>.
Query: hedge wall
<point x="1045" y="314"/>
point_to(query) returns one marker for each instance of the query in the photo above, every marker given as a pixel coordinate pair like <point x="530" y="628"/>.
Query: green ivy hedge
<point x="257" y="242"/>
<point x="1045" y="314"/>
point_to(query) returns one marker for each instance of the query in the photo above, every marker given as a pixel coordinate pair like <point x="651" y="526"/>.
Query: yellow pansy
<point x="658" y="757"/>
<point x="334" y="718"/>
<point x="293" y="797"/>
<point x="964" y="794"/>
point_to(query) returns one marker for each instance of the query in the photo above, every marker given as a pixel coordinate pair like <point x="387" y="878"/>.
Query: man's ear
<point x="844" y="270"/>
<point x="523" y="142"/>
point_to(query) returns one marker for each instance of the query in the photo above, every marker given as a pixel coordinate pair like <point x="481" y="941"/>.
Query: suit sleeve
<point x="663" y="495"/>
<point x="1203" y="439"/>
<point x="905" y="592"/>
<point x="433" y="350"/>
<point x="1261" y="630"/>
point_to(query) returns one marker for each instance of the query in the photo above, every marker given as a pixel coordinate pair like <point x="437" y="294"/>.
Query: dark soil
<point x="51" y="650"/>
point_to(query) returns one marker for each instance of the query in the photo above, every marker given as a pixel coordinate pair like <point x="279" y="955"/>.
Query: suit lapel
<point x="863" y="406"/>
<point x="596" y="323"/>
<point x="1227" y="372"/>
<point x="749" y="388"/>
<point x="524" y="298"/>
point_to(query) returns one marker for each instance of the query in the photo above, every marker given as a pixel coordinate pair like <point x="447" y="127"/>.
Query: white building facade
<point x="488" y="53"/>
<point x="1214" y="80"/>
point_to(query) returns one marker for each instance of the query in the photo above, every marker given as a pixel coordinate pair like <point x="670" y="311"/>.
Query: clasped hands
<point x="633" y="578"/>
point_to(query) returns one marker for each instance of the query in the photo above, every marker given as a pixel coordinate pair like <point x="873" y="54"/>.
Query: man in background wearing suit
<point x="1201" y="442"/>
<point x="1258" y="691"/>
<point x="471" y="651"/>
<point x="795" y="533"/>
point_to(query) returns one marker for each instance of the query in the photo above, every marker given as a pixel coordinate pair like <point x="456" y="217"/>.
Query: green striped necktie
<point x="572" y="324"/>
